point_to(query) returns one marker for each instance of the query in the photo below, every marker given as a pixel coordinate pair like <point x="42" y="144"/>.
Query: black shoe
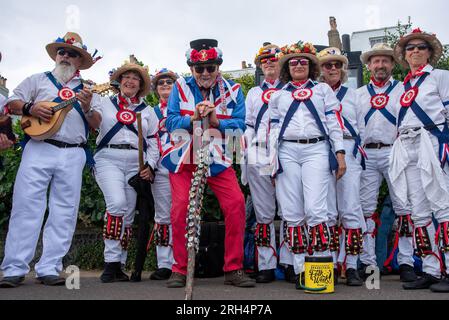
<point x="161" y="274"/>
<point x="422" y="283"/>
<point x="335" y="276"/>
<point x="353" y="278"/>
<point x="11" y="282"/>
<point x="51" y="281"/>
<point x="364" y="274"/>
<point x="265" y="276"/>
<point x="290" y="275"/>
<point x="407" y="273"/>
<point x="300" y="282"/>
<point x="111" y="270"/>
<point x="442" y="286"/>
<point x="136" y="276"/>
<point x="121" y="276"/>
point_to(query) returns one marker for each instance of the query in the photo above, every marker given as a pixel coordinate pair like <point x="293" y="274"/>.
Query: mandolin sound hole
<point x="26" y="124"/>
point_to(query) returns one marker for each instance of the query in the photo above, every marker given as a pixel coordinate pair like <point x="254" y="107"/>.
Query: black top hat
<point x="204" y="51"/>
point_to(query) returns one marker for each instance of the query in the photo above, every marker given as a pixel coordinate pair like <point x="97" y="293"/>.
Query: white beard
<point x="63" y="73"/>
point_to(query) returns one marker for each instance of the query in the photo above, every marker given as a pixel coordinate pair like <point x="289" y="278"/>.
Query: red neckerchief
<point x="299" y="83"/>
<point x="379" y="84"/>
<point x="418" y="73"/>
<point x="336" y="86"/>
<point x="163" y="105"/>
<point x="123" y="102"/>
<point x="271" y="82"/>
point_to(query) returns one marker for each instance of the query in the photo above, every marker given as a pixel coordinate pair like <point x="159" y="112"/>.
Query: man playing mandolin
<point x="56" y="162"/>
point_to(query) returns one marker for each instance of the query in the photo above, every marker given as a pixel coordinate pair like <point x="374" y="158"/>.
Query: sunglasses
<point x="210" y="69"/>
<point x="272" y="59"/>
<point x="70" y="53"/>
<point x="295" y="62"/>
<point x="329" y="65"/>
<point x="162" y="82"/>
<point x="421" y="47"/>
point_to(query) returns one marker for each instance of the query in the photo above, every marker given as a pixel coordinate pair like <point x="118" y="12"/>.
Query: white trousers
<point x="421" y="208"/>
<point x="371" y="179"/>
<point x="113" y="169"/>
<point x="302" y="188"/>
<point x="162" y="204"/>
<point x="263" y="194"/>
<point x="43" y="166"/>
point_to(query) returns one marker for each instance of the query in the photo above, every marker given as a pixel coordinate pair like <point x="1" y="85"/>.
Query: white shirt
<point x="108" y="111"/>
<point x="303" y="124"/>
<point x="433" y="92"/>
<point x="379" y="129"/>
<point x="351" y="112"/>
<point x="38" y="88"/>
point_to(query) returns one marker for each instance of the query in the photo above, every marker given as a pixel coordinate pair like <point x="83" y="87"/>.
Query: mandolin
<point x="38" y="129"/>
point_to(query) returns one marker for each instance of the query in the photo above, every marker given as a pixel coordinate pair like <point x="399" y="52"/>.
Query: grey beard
<point x="63" y="73"/>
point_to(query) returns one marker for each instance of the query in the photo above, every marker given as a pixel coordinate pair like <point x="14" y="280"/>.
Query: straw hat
<point x="270" y="50"/>
<point x="379" y="49"/>
<point x="163" y="73"/>
<point x="299" y="50"/>
<point x="74" y="42"/>
<point x="431" y="39"/>
<point x="145" y="88"/>
<point x="332" y="54"/>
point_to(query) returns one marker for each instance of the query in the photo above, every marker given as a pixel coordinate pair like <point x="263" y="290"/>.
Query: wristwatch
<point x="89" y="112"/>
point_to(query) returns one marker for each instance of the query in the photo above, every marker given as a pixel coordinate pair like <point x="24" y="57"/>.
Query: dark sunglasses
<point x="272" y="59"/>
<point x="295" y="62"/>
<point x="162" y="82"/>
<point x="330" y="65"/>
<point x="70" y="53"/>
<point x="210" y="69"/>
<point x="421" y="47"/>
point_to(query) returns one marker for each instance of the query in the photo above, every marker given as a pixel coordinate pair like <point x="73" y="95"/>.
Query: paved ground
<point x="207" y="289"/>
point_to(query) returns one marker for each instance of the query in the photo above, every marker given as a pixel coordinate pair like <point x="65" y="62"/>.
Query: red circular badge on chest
<point x="66" y="94"/>
<point x="266" y="95"/>
<point x="409" y="97"/>
<point x="126" y="117"/>
<point x="302" y="94"/>
<point x="379" y="101"/>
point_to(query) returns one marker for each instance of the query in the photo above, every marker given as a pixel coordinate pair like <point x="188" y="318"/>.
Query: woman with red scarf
<point x="117" y="159"/>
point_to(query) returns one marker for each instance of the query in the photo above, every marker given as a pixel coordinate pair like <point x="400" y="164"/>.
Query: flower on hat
<point x="211" y="54"/>
<point x="267" y="52"/>
<point x="299" y="47"/>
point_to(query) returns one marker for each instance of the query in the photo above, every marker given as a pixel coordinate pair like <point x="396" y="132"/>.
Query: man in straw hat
<point x="117" y="159"/>
<point x="378" y="102"/>
<point x="163" y="83"/>
<point x="257" y="163"/>
<point x="344" y="194"/>
<point x="57" y="162"/>
<point x="206" y="95"/>
<point x="419" y="160"/>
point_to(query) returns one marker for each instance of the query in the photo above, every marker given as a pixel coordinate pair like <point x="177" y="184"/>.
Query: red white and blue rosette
<point x="66" y="94"/>
<point x="409" y="97"/>
<point x="379" y="101"/>
<point x="302" y="94"/>
<point x="126" y="117"/>
<point x="266" y="95"/>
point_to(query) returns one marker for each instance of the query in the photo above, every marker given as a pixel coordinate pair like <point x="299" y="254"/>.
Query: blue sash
<point x="429" y="125"/>
<point x="358" y="141"/>
<point x="384" y="111"/>
<point x="311" y="107"/>
<point x="264" y="108"/>
<point x="116" y="128"/>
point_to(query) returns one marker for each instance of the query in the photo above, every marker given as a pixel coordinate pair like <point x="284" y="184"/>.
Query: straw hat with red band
<point x="430" y="38"/>
<point x="204" y="51"/>
<point x="145" y="87"/>
<point x="268" y="51"/>
<point x="74" y="42"/>
<point x="299" y="50"/>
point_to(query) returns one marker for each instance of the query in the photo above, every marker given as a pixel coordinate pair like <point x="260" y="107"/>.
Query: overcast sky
<point x="158" y="32"/>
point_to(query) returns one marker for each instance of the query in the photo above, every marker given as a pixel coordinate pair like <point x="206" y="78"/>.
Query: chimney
<point x="244" y="65"/>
